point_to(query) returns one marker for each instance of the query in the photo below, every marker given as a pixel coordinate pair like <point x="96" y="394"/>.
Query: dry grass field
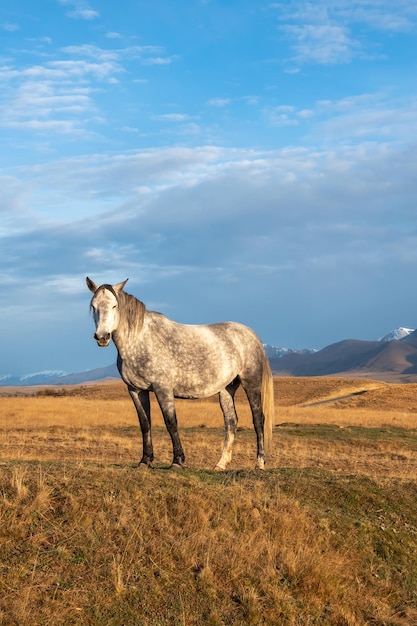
<point x="327" y="535"/>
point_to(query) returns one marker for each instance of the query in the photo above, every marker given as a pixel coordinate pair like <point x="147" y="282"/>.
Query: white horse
<point x="184" y="361"/>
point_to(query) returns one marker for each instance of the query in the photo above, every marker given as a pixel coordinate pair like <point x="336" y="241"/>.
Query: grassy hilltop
<point x="327" y="535"/>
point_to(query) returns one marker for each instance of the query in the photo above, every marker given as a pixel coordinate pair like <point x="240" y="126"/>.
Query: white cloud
<point x="88" y="50"/>
<point x="321" y="32"/>
<point x="282" y="115"/>
<point x="378" y="117"/>
<point x="323" y="44"/>
<point x="129" y="129"/>
<point x="47" y="103"/>
<point x="305" y="113"/>
<point x="82" y="10"/>
<point x="83" y="14"/>
<point x="10" y="27"/>
<point x="181" y="186"/>
<point x="57" y="96"/>
<point x="172" y="117"/>
<point x="159" y="60"/>
<point x="47" y="126"/>
<point x="251" y="100"/>
<point x="380" y="14"/>
<point x="219" y="102"/>
<point x="115" y="56"/>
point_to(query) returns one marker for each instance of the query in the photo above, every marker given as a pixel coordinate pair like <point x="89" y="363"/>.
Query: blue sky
<point x="242" y="160"/>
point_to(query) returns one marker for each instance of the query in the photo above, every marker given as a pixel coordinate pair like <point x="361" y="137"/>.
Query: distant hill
<point x="99" y="373"/>
<point x="60" y="378"/>
<point x="383" y="359"/>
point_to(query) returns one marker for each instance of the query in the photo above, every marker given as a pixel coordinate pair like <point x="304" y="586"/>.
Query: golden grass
<point x="370" y="403"/>
<point x="89" y="426"/>
<point x="108" y="545"/>
<point x="327" y="536"/>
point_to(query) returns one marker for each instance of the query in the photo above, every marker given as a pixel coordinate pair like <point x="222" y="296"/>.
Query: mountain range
<point x="394" y="355"/>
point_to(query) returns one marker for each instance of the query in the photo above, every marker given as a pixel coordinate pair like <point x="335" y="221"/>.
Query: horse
<point x="172" y="360"/>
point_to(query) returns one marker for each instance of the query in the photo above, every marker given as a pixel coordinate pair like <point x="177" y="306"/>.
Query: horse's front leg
<point x="143" y="408"/>
<point x="165" y="399"/>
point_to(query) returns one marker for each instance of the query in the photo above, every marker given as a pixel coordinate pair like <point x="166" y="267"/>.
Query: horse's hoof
<point x="143" y="467"/>
<point x="260" y="464"/>
<point x="176" y="467"/>
<point x="217" y="468"/>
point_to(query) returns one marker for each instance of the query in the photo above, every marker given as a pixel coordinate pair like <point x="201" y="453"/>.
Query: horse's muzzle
<point x="102" y="340"/>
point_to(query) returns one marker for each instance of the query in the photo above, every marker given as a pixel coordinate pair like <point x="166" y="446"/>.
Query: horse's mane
<point x="132" y="312"/>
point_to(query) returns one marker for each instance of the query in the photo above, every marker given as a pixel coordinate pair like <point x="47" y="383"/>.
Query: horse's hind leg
<point x="253" y="393"/>
<point x="227" y="403"/>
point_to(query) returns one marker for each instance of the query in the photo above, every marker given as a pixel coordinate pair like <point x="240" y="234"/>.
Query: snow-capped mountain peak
<point x="397" y="334"/>
<point x="45" y="374"/>
<point x="274" y="352"/>
<point x="37" y="378"/>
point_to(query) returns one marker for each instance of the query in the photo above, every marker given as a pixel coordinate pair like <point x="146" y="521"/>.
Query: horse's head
<point x="105" y="307"/>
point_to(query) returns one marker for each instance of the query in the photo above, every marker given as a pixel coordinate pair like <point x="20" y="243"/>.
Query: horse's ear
<point x="119" y="287"/>
<point x="91" y="285"/>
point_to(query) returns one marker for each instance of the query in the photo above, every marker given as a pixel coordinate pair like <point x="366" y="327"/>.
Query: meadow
<point x="327" y="535"/>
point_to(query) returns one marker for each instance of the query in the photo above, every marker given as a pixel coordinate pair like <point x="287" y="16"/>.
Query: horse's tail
<point x="267" y="402"/>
